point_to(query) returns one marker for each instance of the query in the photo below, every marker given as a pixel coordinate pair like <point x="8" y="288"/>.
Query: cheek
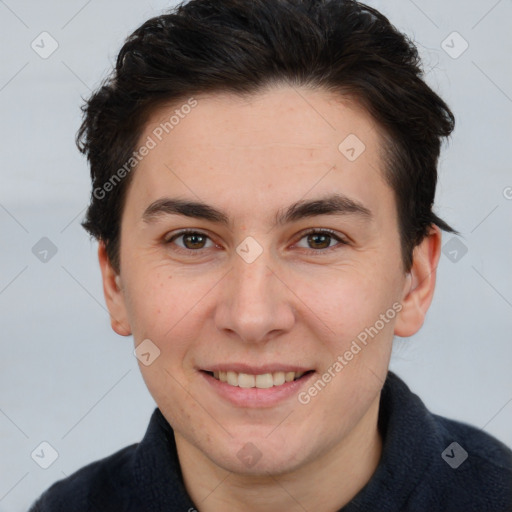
<point x="348" y="299"/>
<point x="168" y="309"/>
<point x="152" y="303"/>
<point x="162" y="310"/>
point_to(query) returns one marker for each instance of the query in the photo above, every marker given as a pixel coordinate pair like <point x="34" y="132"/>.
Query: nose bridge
<point x="252" y="279"/>
<point x="254" y="304"/>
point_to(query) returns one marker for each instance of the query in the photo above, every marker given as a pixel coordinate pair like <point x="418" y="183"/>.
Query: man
<point x="263" y="175"/>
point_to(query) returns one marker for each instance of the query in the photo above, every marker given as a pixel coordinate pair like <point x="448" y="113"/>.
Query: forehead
<point x="279" y="116"/>
<point x="270" y="148"/>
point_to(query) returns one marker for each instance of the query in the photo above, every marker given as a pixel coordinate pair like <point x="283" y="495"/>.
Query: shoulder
<point x="101" y="485"/>
<point x="489" y="460"/>
<point x="481" y="445"/>
<point x="142" y="475"/>
<point x="431" y="462"/>
<point x="471" y="471"/>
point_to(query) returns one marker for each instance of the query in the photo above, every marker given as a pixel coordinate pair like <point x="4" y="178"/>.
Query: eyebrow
<point x="334" y="204"/>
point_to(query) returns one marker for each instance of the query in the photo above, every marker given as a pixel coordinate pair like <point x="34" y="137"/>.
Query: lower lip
<point x="256" y="397"/>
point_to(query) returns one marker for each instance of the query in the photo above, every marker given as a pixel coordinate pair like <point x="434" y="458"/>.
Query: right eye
<point x="192" y="240"/>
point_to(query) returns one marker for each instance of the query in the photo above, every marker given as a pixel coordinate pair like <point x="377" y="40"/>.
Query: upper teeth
<point x="265" y="380"/>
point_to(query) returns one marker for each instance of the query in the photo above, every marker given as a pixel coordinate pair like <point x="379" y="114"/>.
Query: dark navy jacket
<point x="429" y="464"/>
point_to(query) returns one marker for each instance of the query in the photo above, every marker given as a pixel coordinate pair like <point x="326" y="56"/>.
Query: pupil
<point x="324" y="238"/>
<point x="194" y="238"/>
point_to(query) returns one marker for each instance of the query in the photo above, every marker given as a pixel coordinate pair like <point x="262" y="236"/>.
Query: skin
<point x="297" y="303"/>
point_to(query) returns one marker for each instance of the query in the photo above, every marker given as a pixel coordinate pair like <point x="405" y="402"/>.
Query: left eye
<point x="323" y="237"/>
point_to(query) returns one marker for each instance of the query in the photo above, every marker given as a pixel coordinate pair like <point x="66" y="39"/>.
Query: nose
<point x="255" y="303"/>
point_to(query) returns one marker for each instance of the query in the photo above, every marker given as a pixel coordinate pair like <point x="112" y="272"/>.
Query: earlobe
<point x="113" y="292"/>
<point x="419" y="285"/>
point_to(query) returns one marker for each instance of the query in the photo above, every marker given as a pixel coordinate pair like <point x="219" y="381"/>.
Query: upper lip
<point x="255" y="370"/>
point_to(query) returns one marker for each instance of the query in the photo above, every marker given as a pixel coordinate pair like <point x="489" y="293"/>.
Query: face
<point x="291" y="258"/>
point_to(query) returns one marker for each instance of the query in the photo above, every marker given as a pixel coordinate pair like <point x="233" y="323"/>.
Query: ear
<point x="114" y="296"/>
<point x="420" y="284"/>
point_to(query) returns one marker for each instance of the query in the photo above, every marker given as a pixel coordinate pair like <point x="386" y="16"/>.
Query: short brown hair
<point x="241" y="46"/>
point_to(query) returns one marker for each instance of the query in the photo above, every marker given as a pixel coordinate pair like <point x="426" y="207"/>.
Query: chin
<point x="266" y="465"/>
<point x="260" y="456"/>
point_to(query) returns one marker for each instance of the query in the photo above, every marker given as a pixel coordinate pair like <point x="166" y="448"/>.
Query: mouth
<point x="260" y="381"/>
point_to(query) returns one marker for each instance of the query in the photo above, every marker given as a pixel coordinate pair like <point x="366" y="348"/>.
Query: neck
<point x="324" y="484"/>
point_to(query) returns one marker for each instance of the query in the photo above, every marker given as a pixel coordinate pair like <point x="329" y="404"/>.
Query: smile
<point x="261" y="381"/>
<point x="256" y="387"/>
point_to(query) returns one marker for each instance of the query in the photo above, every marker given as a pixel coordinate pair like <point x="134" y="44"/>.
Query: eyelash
<point x="304" y="234"/>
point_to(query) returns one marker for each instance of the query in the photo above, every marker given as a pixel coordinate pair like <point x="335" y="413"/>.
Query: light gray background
<point x="67" y="379"/>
